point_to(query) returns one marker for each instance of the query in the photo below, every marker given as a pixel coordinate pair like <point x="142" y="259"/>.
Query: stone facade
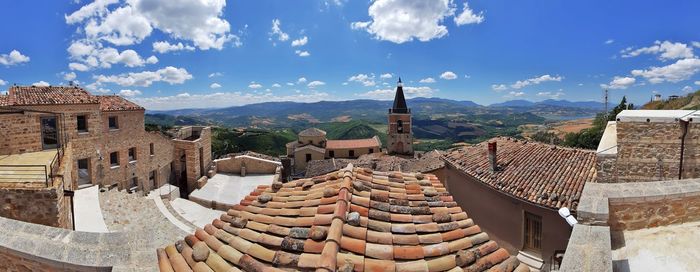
<point x="312" y="144"/>
<point x="399" y="142"/>
<point x="252" y="165"/>
<point x="192" y="156"/>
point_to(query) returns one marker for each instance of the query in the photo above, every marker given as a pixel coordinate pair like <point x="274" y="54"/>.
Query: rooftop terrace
<point x="32" y="168"/>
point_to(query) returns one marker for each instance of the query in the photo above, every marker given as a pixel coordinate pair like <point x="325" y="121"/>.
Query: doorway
<point x="84" y="173"/>
<point x="184" y="191"/>
<point x="49" y="132"/>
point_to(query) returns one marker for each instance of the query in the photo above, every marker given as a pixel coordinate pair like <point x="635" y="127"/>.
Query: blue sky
<point x="168" y="54"/>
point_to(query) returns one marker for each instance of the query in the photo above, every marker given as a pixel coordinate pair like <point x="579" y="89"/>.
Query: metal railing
<point x="31" y="172"/>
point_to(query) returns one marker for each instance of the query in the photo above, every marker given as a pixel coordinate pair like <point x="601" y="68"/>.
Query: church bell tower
<point x="400" y="134"/>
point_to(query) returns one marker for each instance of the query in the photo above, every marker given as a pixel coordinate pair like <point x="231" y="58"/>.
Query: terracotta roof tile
<point x="538" y="173"/>
<point x="355" y="143"/>
<point x="312" y="132"/>
<point x="397" y="230"/>
<point x="35" y="95"/>
<point x="116" y="103"/>
<point x="4" y="100"/>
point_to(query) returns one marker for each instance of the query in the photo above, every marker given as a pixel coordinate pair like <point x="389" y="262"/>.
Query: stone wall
<point x="191" y="151"/>
<point x="606" y="168"/>
<point x="19" y="133"/>
<point x="253" y="165"/>
<point x="589" y="249"/>
<point x="400" y="143"/>
<point x="36" y="205"/>
<point x="649" y="151"/>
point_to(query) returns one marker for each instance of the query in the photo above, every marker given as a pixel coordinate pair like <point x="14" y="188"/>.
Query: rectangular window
<point x="153" y="149"/>
<point x="113" y="122"/>
<point x="331" y="153"/>
<point x="132" y="154"/>
<point x="114" y="159"/>
<point x="351" y="153"/>
<point x="134" y="186"/>
<point x="308" y="157"/>
<point x="82" y="123"/>
<point x="371" y="150"/>
<point x="533" y="231"/>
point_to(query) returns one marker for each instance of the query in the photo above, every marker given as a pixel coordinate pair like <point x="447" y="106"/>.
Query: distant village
<point x="85" y="187"/>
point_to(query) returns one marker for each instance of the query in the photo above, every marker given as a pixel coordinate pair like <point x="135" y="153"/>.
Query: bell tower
<point x="399" y="134"/>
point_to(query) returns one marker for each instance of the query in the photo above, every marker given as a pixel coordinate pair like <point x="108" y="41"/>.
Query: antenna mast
<point x="606" y="104"/>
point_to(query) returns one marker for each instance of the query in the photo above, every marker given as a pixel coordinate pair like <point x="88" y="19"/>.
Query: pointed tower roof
<point x="399" y="100"/>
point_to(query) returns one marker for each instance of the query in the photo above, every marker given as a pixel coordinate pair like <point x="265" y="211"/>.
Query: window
<point x="308" y="157"/>
<point x="113" y="122"/>
<point x="533" y="231"/>
<point x="82" y="123"/>
<point x="134" y="186"/>
<point x="132" y="154"/>
<point x="152" y="149"/>
<point x="371" y="150"/>
<point x="399" y="126"/>
<point x="331" y="153"/>
<point x="351" y="153"/>
<point x="114" y="159"/>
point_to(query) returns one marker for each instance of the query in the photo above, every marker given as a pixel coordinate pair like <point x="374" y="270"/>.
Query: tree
<point x="590" y="138"/>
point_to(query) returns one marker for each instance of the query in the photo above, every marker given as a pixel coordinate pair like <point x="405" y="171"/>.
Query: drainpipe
<point x="684" y="126"/>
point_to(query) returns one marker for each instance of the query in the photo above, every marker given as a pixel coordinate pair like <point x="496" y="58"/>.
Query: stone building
<point x="514" y="189"/>
<point x="354" y="219"/>
<point x="650" y="145"/>
<point x="400" y="133"/>
<point x="312" y="144"/>
<point x="94" y="140"/>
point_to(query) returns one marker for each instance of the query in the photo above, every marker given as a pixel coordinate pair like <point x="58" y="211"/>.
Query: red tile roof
<point x="34" y="95"/>
<point x="4" y="100"/>
<point x="353" y="219"/>
<point x="538" y="173"/>
<point x="116" y="103"/>
<point x="356" y="143"/>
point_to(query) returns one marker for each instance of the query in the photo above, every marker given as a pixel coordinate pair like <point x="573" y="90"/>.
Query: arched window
<point x="399" y="126"/>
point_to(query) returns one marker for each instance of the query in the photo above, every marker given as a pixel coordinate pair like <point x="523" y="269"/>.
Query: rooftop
<point x="430" y="161"/>
<point x="63" y="95"/>
<point x="116" y="103"/>
<point x="539" y="173"/>
<point x="354" y="143"/>
<point x="312" y="132"/>
<point x="28" y="168"/>
<point x="396" y="222"/>
<point x="655" y="116"/>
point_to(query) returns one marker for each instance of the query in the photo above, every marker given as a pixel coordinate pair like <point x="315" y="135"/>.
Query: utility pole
<point x="606" y="104"/>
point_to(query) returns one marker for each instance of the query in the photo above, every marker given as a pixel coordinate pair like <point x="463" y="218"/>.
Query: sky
<point x="168" y="54"/>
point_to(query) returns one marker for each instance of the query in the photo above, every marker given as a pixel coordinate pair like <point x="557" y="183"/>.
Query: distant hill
<point x="355" y="129"/>
<point x="552" y="102"/>
<point x="688" y="102"/>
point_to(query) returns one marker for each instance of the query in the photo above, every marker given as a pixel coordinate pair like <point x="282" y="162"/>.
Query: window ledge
<point x="113" y="129"/>
<point x="153" y="155"/>
<point x="132" y="162"/>
<point x="83" y="132"/>
<point x="114" y="167"/>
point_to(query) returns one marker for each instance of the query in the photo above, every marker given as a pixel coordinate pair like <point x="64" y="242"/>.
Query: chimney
<point x="286" y="168"/>
<point x="492" y="156"/>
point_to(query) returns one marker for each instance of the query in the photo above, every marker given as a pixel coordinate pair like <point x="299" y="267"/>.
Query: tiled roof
<point x="312" y="132"/>
<point x="116" y="103"/>
<point x="539" y="173"/>
<point x="355" y="143"/>
<point x="430" y="161"/>
<point x="35" y="95"/>
<point x="3" y="100"/>
<point x="348" y="220"/>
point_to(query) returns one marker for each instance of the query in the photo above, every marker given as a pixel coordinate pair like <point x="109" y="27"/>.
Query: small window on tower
<point x="399" y="126"/>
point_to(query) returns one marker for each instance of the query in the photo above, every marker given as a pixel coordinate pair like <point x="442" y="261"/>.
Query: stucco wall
<point x="253" y="165"/>
<point x="300" y="158"/>
<point x="345" y="153"/>
<point x="502" y="217"/>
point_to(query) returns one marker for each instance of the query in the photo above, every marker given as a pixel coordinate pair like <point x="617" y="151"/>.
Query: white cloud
<point x="277" y="31"/>
<point x="697" y="82"/>
<point x="215" y="85"/>
<point x="667" y="51"/>
<point x="301" y="80"/>
<point x="14" y="58"/>
<point x="163" y="47"/>
<point x="69" y="76"/>
<point x="168" y="74"/>
<point x="534" y="81"/>
<point x="680" y="70"/>
<point x="152" y="60"/>
<point x="619" y="83"/>
<point x="402" y="21"/>
<point x="302" y="53"/>
<point x="192" y="20"/>
<point x="254" y="85"/>
<point x="290" y="84"/>
<point x="410" y="92"/>
<point x="469" y="17"/>
<point x="515" y="94"/>
<point x="221" y="99"/>
<point x="92" y="55"/>
<point x="609" y="41"/>
<point x="315" y="83"/>
<point x="300" y="42"/>
<point x="215" y="74"/>
<point x="41" y="84"/>
<point x="427" y="80"/>
<point x="129" y="93"/>
<point x="386" y="76"/>
<point x="276" y="85"/>
<point x="551" y="95"/>
<point x="448" y="75"/>
<point x="2" y="82"/>
<point x="499" y="87"/>
<point x="366" y="80"/>
<point x="687" y="89"/>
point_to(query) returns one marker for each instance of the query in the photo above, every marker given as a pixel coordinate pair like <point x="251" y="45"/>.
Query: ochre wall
<point x="252" y="166"/>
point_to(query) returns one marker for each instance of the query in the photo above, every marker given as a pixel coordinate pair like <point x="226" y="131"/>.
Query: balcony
<point x="28" y="169"/>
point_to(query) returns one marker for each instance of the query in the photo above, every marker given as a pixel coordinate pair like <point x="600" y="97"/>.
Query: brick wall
<point x="399" y="142"/>
<point x="191" y="151"/>
<point x="19" y="133"/>
<point x="36" y="205"/>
